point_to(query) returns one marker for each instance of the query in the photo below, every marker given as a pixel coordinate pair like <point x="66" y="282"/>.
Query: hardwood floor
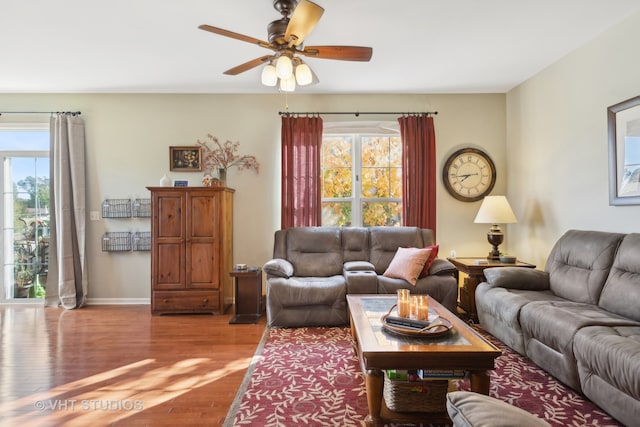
<point x="118" y="365"/>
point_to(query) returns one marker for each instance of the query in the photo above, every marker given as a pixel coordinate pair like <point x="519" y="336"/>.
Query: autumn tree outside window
<point x="361" y="179"/>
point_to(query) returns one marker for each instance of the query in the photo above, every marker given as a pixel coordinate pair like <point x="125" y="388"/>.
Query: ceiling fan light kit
<point x="284" y="67"/>
<point x="286" y="37"/>
<point x="269" y="76"/>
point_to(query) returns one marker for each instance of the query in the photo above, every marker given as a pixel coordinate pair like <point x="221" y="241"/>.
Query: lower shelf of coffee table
<point x="389" y="416"/>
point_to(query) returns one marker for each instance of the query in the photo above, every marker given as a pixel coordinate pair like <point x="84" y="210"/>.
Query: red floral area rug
<point x="311" y="377"/>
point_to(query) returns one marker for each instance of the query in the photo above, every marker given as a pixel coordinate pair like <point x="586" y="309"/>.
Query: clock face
<point x="469" y="174"/>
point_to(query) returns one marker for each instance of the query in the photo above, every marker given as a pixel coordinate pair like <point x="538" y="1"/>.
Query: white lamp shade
<point x="284" y="67"/>
<point x="288" y="85"/>
<point x="303" y="75"/>
<point x="495" y="210"/>
<point x="269" y="76"/>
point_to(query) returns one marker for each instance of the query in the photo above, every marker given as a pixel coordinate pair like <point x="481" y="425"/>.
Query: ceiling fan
<point x="286" y="38"/>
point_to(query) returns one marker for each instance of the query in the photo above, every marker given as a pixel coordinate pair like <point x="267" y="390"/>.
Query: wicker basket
<point x="415" y="396"/>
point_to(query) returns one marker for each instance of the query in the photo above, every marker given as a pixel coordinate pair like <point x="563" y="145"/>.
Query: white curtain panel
<point x="67" y="278"/>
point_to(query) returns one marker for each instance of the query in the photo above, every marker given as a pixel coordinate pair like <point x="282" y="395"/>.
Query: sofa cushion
<point x="307" y="301"/>
<point x="385" y="241"/>
<point x="355" y="244"/>
<point x="468" y="409"/>
<point x="407" y="264"/>
<point x="315" y="251"/>
<point x="307" y="291"/>
<point x="549" y="328"/>
<point x="609" y="369"/>
<point x="579" y="264"/>
<point x="621" y="293"/>
<point x="499" y="311"/>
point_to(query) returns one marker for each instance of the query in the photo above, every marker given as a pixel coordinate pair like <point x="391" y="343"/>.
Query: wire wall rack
<point x="142" y="208"/>
<point x="126" y="241"/>
<point x="141" y="241"/>
<point x="116" y="241"/>
<point x="116" y="208"/>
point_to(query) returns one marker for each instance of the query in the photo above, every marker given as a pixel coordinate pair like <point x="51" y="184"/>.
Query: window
<point x="24" y="214"/>
<point x="361" y="179"/>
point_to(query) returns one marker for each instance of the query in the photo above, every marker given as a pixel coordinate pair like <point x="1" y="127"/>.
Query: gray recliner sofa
<point x="579" y="319"/>
<point x="314" y="268"/>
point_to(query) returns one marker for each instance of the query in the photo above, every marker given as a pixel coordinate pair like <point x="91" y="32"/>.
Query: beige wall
<point x="128" y="137"/>
<point x="557" y="143"/>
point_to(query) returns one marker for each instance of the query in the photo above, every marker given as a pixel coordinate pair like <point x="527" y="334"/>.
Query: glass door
<point x="24" y="167"/>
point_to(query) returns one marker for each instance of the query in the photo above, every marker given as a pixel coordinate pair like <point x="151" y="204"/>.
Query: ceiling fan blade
<point x="344" y="53"/>
<point x="248" y="65"/>
<point x="236" y="36"/>
<point x="303" y="20"/>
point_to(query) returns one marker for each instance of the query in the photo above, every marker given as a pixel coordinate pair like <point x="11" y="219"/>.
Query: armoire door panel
<point x="169" y="211"/>
<point x="202" y="267"/>
<point x="169" y="271"/>
<point x="201" y="218"/>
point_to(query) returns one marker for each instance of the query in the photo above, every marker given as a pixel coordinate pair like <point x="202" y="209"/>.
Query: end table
<point x="248" y="295"/>
<point x="474" y="267"/>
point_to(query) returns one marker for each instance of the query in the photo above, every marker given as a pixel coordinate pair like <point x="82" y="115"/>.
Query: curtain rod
<point x="74" y="113"/>
<point x="357" y="113"/>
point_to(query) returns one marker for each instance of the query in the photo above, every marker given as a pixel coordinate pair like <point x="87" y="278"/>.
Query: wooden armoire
<point x="191" y="249"/>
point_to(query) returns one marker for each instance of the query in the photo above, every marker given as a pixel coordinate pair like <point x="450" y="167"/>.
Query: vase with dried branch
<point x="218" y="158"/>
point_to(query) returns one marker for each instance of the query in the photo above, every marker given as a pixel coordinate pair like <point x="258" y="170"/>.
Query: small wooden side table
<point x="248" y="295"/>
<point x="474" y="270"/>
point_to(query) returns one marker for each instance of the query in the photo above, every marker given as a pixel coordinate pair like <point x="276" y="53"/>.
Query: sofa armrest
<point x="517" y="278"/>
<point x="442" y="267"/>
<point x="278" y="267"/>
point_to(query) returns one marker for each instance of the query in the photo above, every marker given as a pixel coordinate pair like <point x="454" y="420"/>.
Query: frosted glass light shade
<point x="288" y="85"/>
<point x="284" y="67"/>
<point x="303" y="75"/>
<point x="269" y="76"/>
<point x="495" y="210"/>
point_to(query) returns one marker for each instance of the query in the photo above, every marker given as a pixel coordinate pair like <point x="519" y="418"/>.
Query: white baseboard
<point x="118" y="301"/>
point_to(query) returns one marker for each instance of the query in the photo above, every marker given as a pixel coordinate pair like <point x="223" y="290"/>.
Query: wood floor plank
<point x="118" y="365"/>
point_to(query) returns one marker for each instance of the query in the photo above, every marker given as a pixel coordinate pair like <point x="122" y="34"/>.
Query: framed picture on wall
<point x="624" y="152"/>
<point x="185" y="159"/>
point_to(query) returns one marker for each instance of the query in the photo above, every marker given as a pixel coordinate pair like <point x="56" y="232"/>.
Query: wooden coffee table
<point x="379" y="350"/>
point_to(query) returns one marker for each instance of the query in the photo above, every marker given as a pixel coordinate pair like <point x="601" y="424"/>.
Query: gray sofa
<point x="579" y="319"/>
<point x="314" y="268"/>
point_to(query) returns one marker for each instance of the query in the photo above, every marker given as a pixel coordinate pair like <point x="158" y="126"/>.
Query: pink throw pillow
<point x="407" y="264"/>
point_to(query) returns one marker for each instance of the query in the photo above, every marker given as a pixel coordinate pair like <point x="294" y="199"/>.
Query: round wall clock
<point x="469" y="174"/>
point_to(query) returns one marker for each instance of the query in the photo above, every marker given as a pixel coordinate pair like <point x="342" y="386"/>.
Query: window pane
<point x="375" y="151"/>
<point x="336" y="214"/>
<point x="32" y="140"/>
<point x="375" y="182"/>
<point x="336" y="182"/>
<point x="395" y="152"/>
<point x="396" y="183"/>
<point x="381" y="213"/>
<point x="336" y="152"/>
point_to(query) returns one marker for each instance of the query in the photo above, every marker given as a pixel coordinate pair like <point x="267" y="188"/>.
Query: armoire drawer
<point x="186" y="302"/>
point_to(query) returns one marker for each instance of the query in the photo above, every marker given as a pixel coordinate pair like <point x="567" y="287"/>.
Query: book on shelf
<point x="424" y="374"/>
<point x="438" y="374"/>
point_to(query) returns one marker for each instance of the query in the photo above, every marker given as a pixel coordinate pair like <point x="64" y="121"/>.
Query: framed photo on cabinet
<point x="185" y="159"/>
<point x="624" y="152"/>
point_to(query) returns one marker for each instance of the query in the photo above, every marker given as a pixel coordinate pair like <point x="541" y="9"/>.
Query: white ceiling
<point x="419" y="46"/>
